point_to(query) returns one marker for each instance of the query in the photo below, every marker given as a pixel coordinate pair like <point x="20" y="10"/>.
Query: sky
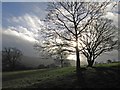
<point x="21" y="22"/>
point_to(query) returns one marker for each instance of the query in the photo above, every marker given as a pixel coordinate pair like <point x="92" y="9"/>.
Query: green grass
<point x="27" y="78"/>
<point x="103" y="75"/>
<point x="108" y="65"/>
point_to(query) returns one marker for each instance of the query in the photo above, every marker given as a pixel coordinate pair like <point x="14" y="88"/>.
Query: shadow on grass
<point x="103" y="77"/>
<point x="96" y="77"/>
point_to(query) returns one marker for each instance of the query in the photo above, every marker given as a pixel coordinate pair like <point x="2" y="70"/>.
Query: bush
<point x="51" y="66"/>
<point x="109" y="61"/>
<point x="41" y="66"/>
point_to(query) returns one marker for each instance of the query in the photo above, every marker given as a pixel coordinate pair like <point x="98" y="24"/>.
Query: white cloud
<point x="22" y="33"/>
<point x="28" y="20"/>
<point x="112" y="6"/>
<point x="111" y="12"/>
<point x="26" y="27"/>
<point x="112" y="16"/>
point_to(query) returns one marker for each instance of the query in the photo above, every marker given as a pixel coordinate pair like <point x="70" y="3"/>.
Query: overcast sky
<point x="21" y="22"/>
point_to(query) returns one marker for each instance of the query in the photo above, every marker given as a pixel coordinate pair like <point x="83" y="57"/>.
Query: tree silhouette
<point x="99" y="37"/>
<point x="60" y="54"/>
<point x="67" y="20"/>
<point x="10" y="57"/>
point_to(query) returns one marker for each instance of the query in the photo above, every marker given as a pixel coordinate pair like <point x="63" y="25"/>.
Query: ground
<point x="100" y="76"/>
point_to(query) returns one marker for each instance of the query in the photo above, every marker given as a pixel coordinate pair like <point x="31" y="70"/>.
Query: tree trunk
<point x="80" y="78"/>
<point x="77" y="53"/>
<point x="90" y="62"/>
<point x="13" y="65"/>
<point x="61" y="63"/>
<point x="77" y="59"/>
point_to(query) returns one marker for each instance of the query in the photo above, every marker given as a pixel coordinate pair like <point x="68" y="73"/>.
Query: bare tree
<point x="99" y="36"/>
<point x="55" y="48"/>
<point x="67" y="20"/>
<point x="60" y="55"/>
<point x="10" y="57"/>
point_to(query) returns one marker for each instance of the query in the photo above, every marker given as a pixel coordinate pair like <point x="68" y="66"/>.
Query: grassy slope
<point x="104" y="75"/>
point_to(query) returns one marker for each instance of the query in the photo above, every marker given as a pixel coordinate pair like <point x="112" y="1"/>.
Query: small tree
<point x="41" y="66"/>
<point x="109" y="61"/>
<point x="99" y="37"/>
<point x="51" y="65"/>
<point x="67" y="63"/>
<point x="10" y="57"/>
<point x="60" y="54"/>
<point x="55" y="48"/>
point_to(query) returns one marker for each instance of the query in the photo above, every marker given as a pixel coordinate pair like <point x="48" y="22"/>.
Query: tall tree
<point x="68" y="20"/>
<point x="99" y="36"/>
<point x="10" y="57"/>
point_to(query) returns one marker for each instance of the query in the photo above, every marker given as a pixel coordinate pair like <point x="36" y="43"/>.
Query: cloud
<point x="26" y="26"/>
<point x="13" y="40"/>
<point x="112" y="12"/>
<point x="113" y="16"/>
<point x="112" y="6"/>
<point x="23" y="34"/>
<point x="28" y="21"/>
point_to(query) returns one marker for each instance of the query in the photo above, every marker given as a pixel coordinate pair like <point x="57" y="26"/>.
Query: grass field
<point x="102" y="75"/>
